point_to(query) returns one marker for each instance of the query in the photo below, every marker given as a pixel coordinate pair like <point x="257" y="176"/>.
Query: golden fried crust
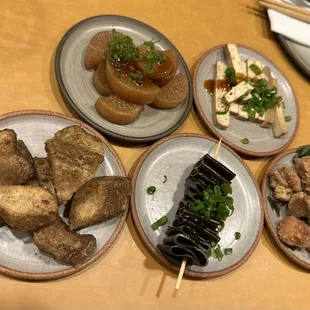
<point x="74" y="156"/>
<point x="16" y="164"/>
<point x="67" y="246"/>
<point x="99" y="199"/>
<point x="27" y="208"/>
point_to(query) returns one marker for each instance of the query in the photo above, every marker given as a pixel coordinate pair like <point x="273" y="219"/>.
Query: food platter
<point x="19" y="257"/>
<point x="75" y="82"/>
<point x="299" y="256"/>
<point x="262" y="140"/>
<point x="174" y="157"/>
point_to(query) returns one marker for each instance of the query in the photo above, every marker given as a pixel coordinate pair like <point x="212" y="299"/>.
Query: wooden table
<point x="128" y="277"/>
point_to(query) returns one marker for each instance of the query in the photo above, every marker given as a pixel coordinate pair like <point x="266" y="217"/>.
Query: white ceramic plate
<point x="75" y="81"/>
<point x="175" y="157"/>
<point x="262" y="140"/>
<point x="19" y="257"/>
<point x="299" y="256"/>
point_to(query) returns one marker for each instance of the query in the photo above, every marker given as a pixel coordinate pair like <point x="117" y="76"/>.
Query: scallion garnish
<point x="255" y="69"/>
<point x="245" y="141"/>
<point x="218" y="253"/>
<point x="151" y="190"/>
<point x="237" y="235"/>
<point x="228" y="251"/>
<point x="162" y="221"/>
<point x="288" y="118"/>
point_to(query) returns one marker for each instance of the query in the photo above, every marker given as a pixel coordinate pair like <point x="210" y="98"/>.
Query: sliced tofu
<point x="279" y="126"/>
<point x="236" y="92"/>
<point x="234" y="108"/>
<point x="270" y="113"/>
<point x="242" y="115"/>
<point x="251" y="74"/>
<point x="233" y="59"/>
<point x="258" y="119"/>
<point x="218" y="102"/>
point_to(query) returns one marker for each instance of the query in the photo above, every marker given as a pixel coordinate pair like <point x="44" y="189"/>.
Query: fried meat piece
<point x="299" y="205"/>
<point x="74" y="156"/>
<point x="65" y="245"/>
<point x="27" y="208"/>
<point x="99" y="199"/>
<point x="303" y="170"/>
<point x="294" y="232"/>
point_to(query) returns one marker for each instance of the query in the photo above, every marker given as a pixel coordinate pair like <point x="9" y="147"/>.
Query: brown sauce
<point x="220" y="84"/>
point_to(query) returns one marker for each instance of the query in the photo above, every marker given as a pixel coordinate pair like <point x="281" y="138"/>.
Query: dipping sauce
<point x="220" y="84"/>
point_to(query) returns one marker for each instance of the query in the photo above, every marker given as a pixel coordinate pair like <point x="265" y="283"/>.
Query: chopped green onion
<point x="230" y="75"/>
<point x="226" y="188"/>
<point x="228" y="251"/>
<point x="245" y="141"/>
<point x="218" y="253"/>
<point x="288" y="118"/>
<point x="223" y="112"/>
<point x="162" y="221"/>
<point x="255" y="69"/>
<point x="237" y="235"/>
<point x="151" y="190"/>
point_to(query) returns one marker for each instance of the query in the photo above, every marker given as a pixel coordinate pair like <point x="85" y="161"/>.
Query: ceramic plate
<point x="19" y="257"/>
<point x="262" y="141"/>
<point x="76" y="85"/>
<point x="298" y="53"/>
<point x="300" y="257"/>
<point x="175" y="157"/>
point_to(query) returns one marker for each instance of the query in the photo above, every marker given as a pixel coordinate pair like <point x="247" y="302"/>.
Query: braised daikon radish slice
<point x="159" y="69"/>
<point x="100" y="80"/>
<point x="123" y="82"/>
<point x="117" y="110"/>
<point x="171" y="54"/>
<point x="173" y="93"/>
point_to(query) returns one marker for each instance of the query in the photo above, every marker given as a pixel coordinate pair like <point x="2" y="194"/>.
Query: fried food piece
<point x="33" y="182"/>
<point x="16" y="165"/>
<point x="99" y="199"/>
<point x="74" y="156"/>
<point x="302" y="166"/>
<point x="65" y="245"/>
<point x="299" y="205"/>
<point x="293" y="180"/>
<point x="294" y="232"/>
<point x="43" y="174"/>
<point x="27" y="208"/>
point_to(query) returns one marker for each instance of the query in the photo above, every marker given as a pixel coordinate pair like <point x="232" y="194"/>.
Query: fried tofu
<point x="99" y="199"/>
<point x="294" y="232"/>
<point x="16" y="164"/>
<point x="27" y="208"/>
<point x="65" y="245"/>
<point x="74" y="156"/>
<point x="43" y="174"/>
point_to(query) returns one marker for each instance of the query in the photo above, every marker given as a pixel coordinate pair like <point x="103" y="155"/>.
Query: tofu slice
<point x="242" y="115"/>
<point x="279" y="126"/>
<point x="233" y="59"/>
<point x="270" y="113"/>
<point x="218" y="102"/>
<point x="236" y="92"/>
<point x="234" y="108"/>
<point x="250" y="73"/>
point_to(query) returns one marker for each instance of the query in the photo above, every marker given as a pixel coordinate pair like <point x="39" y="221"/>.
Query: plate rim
<point x="275" y="238"/>
<point x="100" y="129"/>
<point x="210" y="127"/>
<point x="149" y="246"/>
<point x="70" y="270"/>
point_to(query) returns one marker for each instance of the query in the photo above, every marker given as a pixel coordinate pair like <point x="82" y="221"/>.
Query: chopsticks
<point x="182" y="268"/>
<point x="287" y="9"/>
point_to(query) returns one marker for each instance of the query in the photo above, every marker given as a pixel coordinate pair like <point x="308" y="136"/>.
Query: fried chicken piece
<point x="302" y="166"/>
<point x="299" y="205"/>
<point x="74" y="156"/>
<point x="65" y="245"/>
<point x="99" y="199"/>
<point x="16" y="165"/>
<point x="294" y="232"/>
<point x="27" y="208"/>
<point x="293" y="180"/>
<point x="43" y="174"/>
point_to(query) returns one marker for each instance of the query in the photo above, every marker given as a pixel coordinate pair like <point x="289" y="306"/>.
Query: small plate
<point x="300" y="257"/>
<point x="262" y="141"/>
<point x="75" y="82"/>
<point x="299" y="54"/>
<point x="19" y="257"/>
<point x="175" y="157"/>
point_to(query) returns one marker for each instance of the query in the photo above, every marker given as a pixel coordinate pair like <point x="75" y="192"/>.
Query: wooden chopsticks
<point x="287" y="9"/>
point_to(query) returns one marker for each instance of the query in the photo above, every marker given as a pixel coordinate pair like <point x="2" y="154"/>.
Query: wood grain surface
<point x="128" y="277"/>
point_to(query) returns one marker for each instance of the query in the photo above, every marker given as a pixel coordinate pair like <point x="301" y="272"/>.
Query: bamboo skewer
<point x="182" y="268"/>
<point x="287" y="9"/>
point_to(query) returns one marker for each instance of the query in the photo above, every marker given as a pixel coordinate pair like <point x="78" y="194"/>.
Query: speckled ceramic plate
<point x="300" y="257"/>
<point x="175" y="157"/>
<point x="299" y="54"/>
<point x="19" y="257"/>
<point x="76" y="86"/>
<point x="262" y="141"/>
